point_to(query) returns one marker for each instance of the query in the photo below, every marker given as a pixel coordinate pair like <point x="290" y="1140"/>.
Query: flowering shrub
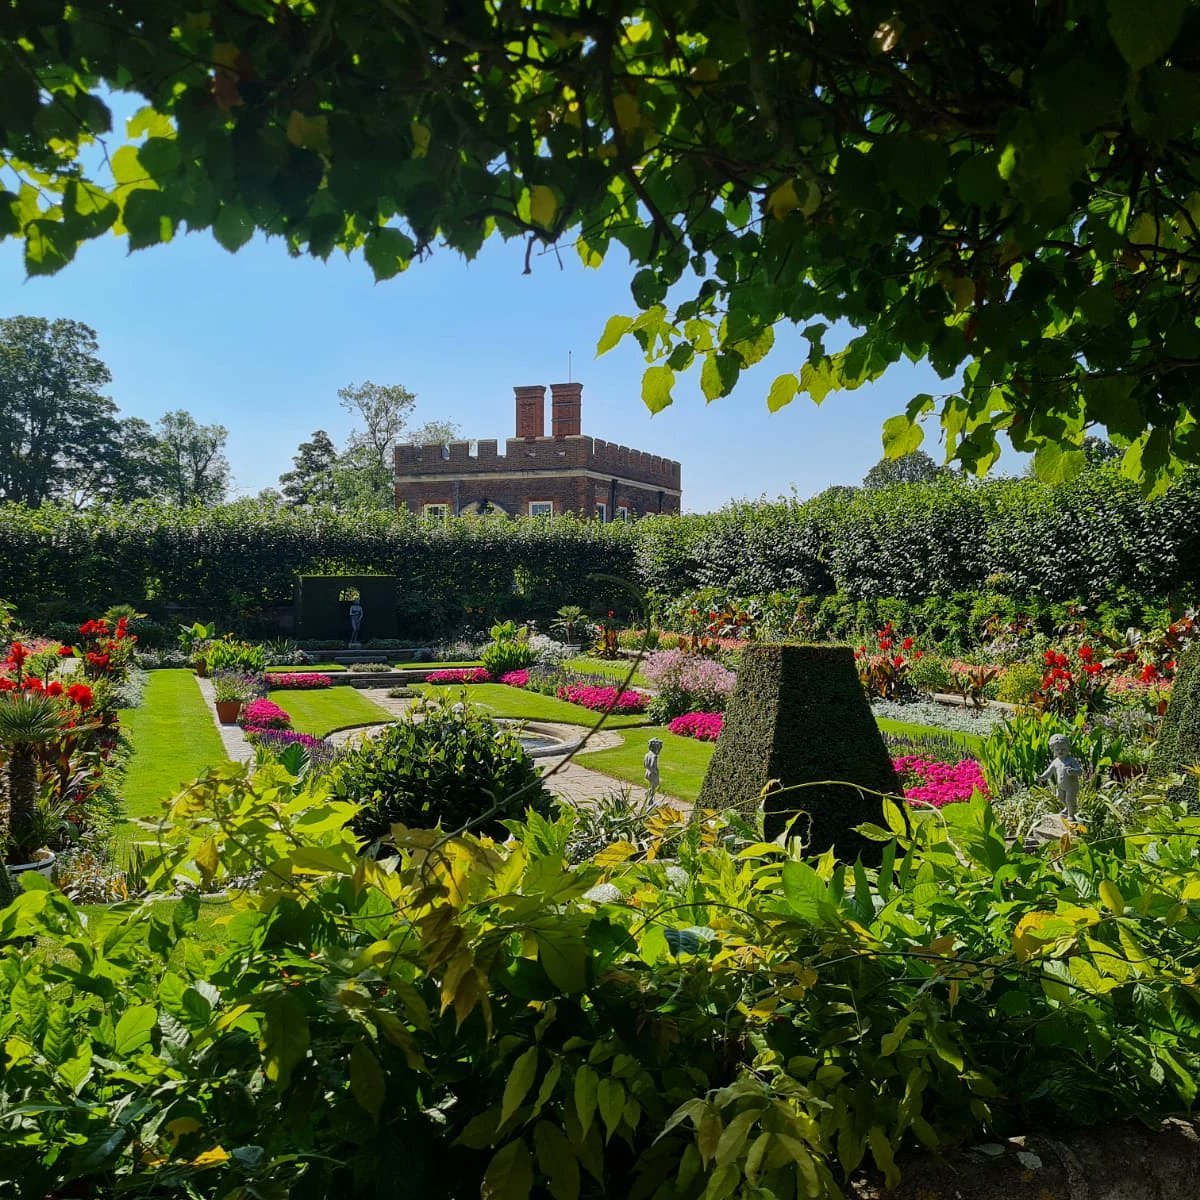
<point x="107" y="650"/>
<point x="319" y="750"/>
<point x="687" y="683"/>
<point x="297" y="680"/>
<point x="884" y="672"/>
<point x="518" y="679"/>
<point x="1069" y="688"/>
<point x="704" y="726"/>
<point x="460" y="675"/>
<point x="933" y="783"/>
<point x="264" y="714"/>
<point x="603" y="699"/>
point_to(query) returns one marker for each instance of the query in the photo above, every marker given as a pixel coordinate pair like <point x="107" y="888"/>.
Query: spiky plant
<point x="27" y="720"/>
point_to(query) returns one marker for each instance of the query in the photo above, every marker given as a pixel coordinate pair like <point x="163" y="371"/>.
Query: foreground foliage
<point x="734" y="1023"/>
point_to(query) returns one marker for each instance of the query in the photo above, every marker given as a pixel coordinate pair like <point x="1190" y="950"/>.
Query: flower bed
<point x="319" y="749"/>
<point x="935" y="784"/>
<point x="264" y="714"/>
<point x="704" y="726"/>
<point x="464" y="675"/>
<point x="603" y="699"/>
<point x="298" y="680"/>
<point x="517" y="679"/>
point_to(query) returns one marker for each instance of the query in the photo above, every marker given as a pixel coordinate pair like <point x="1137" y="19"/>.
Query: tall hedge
<point x="1086" y="539"/>
<point x="1178" y="745"/>
<point x="799" y="718"/>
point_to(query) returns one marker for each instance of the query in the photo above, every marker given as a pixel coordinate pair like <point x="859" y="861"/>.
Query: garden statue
<point x="650" y="763"/>
<point x="1065" y="770"/>
<point x="356" y="616"/>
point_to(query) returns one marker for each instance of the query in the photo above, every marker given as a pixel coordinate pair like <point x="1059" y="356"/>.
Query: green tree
<point x="310" y="481"/>
<point x="1009" y="190"/>
<point x="55" y="425"/>
<point x="915" y="467"/>
<point x="194" y="468"/>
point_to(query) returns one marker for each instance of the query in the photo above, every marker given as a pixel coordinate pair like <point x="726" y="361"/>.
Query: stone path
<point x="232" y="737"/>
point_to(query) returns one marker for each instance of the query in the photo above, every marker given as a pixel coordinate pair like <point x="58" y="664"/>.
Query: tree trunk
<point x="22" y="801"/>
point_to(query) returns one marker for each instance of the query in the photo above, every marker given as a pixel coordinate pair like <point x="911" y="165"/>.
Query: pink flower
<point x="940" y="783"/>
<point x="603" y="699"/>
<point x="518" y="679"/>
<point x="265" y="714"/>
<point x="298" y="679"/>
<point x="459" y="675"/>
<point x="704" y="726"/>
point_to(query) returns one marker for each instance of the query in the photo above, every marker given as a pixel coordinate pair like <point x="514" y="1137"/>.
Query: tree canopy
<point x="914" y="467"/>
<point x="1009" y="190"/>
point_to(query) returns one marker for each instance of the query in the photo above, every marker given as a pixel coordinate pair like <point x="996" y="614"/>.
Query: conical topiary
<point x="799" y="716"/>
<point x="1178" y="744"/>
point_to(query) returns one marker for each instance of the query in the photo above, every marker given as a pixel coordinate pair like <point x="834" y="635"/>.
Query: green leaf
<point x="804" y="889"/>
<point x="735" y="1136"/>
<point x="818" y="379"/>
<point x="587" y="1086"/>
<point x="882" y="1153"/>
<point x="616" y="328"/>
<point x="783" y="391"/>
<point x="388" y="252"/>
<point x="145" y="218"/>
<point x="657" y="383"/>
<point x="719" y="374"/>
<point x="611" y="1097"/>
<point x="1145" y="32"/>
<point x="509" y="1176"/>
<point x="901" y="436"/>
<point x="1054" y="464"/>
<point x="233" y="227"/>
<point x="285" y="1036"/>
<point x="48" y="247"/>
<point x="520" y="1080"/>
<point x="134" y="1028"/>
<point x="943" y="1044"/>
<point x="556" y="1161"/>
<point x="148" y="121"/>
<point x="368" y="1084"/>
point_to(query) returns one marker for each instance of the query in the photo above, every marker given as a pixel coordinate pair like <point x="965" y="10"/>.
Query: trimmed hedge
<point x="1178" y="744"/>
<point x="799" y="716"/>
<point x="1092" y="539"/>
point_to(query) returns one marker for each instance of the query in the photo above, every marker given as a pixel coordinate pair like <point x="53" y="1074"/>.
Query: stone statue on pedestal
<point x="356" y="616"/>
<point x="650" y="764"/>
<point x="1065" y="770"/>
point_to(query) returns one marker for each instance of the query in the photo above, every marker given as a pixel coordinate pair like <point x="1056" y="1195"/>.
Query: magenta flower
<point x="296" y="680"/>
<point x="460" y="675"/>
<point x="935" y="784"/>
<point x="603" y="699"/>
<point x="264" y="714"/>
<point x="516" y="679"/>
<point x="704" y="726"/>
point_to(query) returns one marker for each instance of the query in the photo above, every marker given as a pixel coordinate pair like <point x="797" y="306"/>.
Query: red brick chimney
<point x="531" y="411"/>
<point x="566" y="401"/>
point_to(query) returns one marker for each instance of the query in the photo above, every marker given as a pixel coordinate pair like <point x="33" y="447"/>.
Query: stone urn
<point x="228" y="710"/>
<point x="39" y="866"/>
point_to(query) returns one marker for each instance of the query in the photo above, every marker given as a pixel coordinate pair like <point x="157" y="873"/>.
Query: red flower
<point x="898" y="661"/>
<point x="1048" y="658"/>
<point x="17" y="654"/>
<point x="907" y="644"/>
<point x="1149" y="673"/>
<point x="81" y="694"/>
<point x="66" y="652"/>
<point x="919" y="654"/>
<point x="1086" y="653"/>
<point x="55" y="688"/>
<point x="885" y="643"/>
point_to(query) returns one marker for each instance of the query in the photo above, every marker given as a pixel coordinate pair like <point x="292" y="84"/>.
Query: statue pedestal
<point x="354" y="645"/>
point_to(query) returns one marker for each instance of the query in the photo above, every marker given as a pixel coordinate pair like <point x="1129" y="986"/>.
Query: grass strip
<point x="320" y="711"/>
<point x="174" y="740"/>
<point x="681" y="765"/>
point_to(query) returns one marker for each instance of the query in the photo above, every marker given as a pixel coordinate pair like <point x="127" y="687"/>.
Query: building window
<point x="541" y="508"/>
<point x="602" y="513"/>
<point x="622" y="513"/>
<point x="437" y="512"/>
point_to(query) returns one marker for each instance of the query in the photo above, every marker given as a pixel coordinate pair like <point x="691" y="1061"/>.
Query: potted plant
<point x="28" y="720"/>
<point x="569" y="621"/>
<point x="193" y="640"/>
<point x="230" y="693"/>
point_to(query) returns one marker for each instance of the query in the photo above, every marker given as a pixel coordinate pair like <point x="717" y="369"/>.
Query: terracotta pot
<point x="227" y="711"/>
<point x="201" y="668"/>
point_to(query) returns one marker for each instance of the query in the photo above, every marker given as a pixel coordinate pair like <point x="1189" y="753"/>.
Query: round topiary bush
<point x="440" y="764"/>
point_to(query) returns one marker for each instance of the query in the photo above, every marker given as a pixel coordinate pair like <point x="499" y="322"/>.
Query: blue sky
<point x="261" y="342"/>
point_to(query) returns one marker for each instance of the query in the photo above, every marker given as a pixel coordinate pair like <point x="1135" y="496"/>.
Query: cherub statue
<point x="650" y="763"/>
<point x="356" y="616"/>
<point x="1065" y="770"/>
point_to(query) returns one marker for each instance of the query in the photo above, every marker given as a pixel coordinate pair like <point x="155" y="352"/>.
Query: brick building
<point x="537" y="475"/>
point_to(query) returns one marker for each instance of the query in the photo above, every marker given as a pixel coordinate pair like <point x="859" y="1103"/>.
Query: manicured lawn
<point x="681" y="765"/>
<point x="503" y="701"/>
<point x="322" y="710"/>
<point x="174" y="740"/>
